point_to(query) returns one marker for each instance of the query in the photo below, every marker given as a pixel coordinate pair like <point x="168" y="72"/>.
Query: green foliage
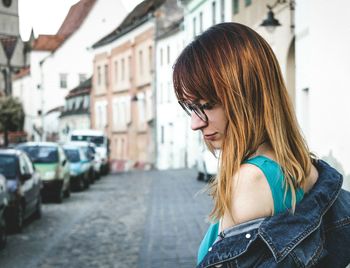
<point x="11" y="114"/>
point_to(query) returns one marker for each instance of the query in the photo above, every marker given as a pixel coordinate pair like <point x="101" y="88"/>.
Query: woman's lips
<point x="210" y="137"/>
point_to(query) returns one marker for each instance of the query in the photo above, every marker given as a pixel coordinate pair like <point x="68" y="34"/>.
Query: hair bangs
<point x="191" y="77"/>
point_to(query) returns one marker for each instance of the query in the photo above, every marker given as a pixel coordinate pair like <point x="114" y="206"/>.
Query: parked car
<point x="90" y="153"/>
<point x="79" y="167"/>
<point x="101" y="141"/>
<point x="3" y="205"/>
<point x="50" y="160"/>
<point x="207" y="166"/>
<point x="96" y="160"/>
<point x="23" y="187"/>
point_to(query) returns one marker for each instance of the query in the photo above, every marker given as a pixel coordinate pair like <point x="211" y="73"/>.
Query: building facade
<point x="122" y="97"/>
<point x="322" y="80"/>
<point x="76" y="111"/>
<point x="59" y="63"/>
<point x="12" y="49"/>
<point x="172" y="149"/>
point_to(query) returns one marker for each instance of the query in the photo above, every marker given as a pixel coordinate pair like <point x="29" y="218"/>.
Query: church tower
<point x="12" y="56"/>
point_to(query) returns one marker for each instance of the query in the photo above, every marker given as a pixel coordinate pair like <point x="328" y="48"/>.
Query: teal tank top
<point x="275" y="177"/>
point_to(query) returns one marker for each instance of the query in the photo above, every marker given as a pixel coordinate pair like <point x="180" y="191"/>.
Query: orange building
<point x="122" y="102"/>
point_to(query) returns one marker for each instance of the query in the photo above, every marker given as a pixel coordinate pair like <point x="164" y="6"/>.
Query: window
<point x="23" y="166"/>
<point x="201" y="22"/>
<point x="150" y="54"/>
<point x="168" y="54"/>
<point x="162" y="134"/>
<point x="194" y="27"/>
<point x="222" y="8"/>
<point x="99" y="75"/>
<point x="130" y="68"/>
<point x="161" y="57"/>
<point x="123" y="69"/>
<point x="248" y="2"/>
<point x="116" y="72"/>
<point x="141" y="61"/>
<point x="86" y="102"/>
<point x="141" y="103"/>
<point x="82" y="78"/>
<point x="235" y="6"/>
<point x="63" y="81"/>
<point x="213" y="8"/>
<point x="106" y="75"/>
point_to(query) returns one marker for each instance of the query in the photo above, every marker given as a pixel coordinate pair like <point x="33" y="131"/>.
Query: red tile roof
<point x="48" y="42"/>
<point x="75" y="17"/>
<point x="72" y="22"/>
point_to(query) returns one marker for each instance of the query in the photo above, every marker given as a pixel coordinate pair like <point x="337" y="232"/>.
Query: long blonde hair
<point x="232" y="65"/>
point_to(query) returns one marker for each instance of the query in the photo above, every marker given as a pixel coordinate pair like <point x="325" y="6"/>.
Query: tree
<point x="11" y="116"/>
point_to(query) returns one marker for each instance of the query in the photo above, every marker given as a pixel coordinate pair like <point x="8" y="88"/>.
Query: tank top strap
<point x="275" y="178"/>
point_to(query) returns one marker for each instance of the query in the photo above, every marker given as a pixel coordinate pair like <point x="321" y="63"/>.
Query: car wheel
<point x="3" y="235"/>
<point x="16" y="225"/>
<point x="86" y="182"/>
<point x="38" y="210"/>
<point x="81" y="183"/>
<point x="67" y="192"/>
<point x="92" y="176"/>
<point x="59" y="197"/>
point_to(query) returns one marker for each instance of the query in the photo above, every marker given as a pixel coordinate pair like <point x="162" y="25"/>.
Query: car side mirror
<point x="64" y="162"/>
<point x="25" y="177"/>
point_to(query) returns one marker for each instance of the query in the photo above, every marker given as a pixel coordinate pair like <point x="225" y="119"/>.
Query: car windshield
<point x="8" y="166"/>
<point x="72" y="155"/>
<point x="41" y="154"/>
<point x="97" y="140"/>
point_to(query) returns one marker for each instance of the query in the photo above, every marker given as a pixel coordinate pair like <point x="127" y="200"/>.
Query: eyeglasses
<point x="197" y="108"/>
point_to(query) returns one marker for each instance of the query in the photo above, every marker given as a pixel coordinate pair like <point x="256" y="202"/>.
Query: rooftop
<point x="136" y="17"/>
<point x="72" y="22"/>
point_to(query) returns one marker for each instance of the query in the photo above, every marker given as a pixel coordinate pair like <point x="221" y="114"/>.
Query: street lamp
<point x="271" y="22"/>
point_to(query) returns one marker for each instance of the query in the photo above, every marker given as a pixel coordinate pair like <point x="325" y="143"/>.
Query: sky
<point x="46" y="16"/>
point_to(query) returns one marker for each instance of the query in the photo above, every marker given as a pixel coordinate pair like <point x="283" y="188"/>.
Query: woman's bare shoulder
<point x="251" y="195"/>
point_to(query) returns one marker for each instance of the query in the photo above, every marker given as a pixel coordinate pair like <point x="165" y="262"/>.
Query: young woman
<point x="230" y="83"/>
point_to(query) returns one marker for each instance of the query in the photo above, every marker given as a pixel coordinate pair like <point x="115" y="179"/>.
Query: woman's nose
<point x="196" y="122"/>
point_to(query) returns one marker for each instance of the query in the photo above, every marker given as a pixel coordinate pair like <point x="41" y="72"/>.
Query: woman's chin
<point x="216" y="144"/>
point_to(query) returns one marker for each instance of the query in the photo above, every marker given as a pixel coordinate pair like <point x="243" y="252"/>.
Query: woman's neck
<point x="265" y="149"/>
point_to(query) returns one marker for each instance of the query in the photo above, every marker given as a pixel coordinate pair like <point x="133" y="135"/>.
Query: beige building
<point x="123" y="84"/>
<point x="282" y="38"/>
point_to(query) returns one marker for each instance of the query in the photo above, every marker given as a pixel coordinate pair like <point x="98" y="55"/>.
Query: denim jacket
<point x="317" y="235"/>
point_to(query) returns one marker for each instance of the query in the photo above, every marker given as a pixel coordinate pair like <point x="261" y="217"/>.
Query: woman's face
<point x="214" y="129"/>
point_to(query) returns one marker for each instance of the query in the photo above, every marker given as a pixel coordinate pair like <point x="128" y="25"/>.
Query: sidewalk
<point x="176" y="220"/>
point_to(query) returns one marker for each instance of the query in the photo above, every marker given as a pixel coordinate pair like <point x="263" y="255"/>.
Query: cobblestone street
<point x="138" y="219"/>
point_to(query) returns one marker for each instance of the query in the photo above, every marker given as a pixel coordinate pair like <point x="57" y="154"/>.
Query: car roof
<point x="39" y="143"/>
<point x="87" y="132"/>
<point x="10" y="151"/>
<point x="80" y="143"/>
<point x="71" y="146"/>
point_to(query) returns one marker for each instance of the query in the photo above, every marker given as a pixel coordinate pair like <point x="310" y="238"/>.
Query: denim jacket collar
<point x="307" y="217"/>
<point x="272" y="230"/>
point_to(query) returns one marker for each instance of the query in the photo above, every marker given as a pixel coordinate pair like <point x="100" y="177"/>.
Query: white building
<point x="199" y="15"/>
<point x="322" y="79"/>
<point x="172" y="122"/>
<point x="70" y="63"/>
